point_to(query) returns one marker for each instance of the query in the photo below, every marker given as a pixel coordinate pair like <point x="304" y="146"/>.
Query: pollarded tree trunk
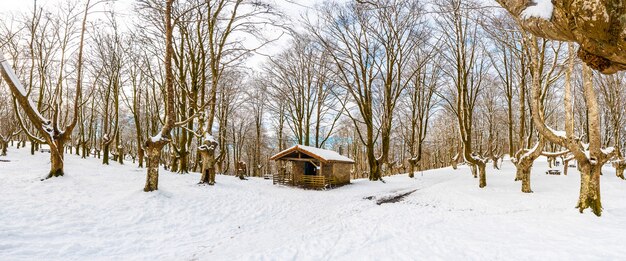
<point x="590" y="187"/>
<point x="4" y="145"/>
<point x="455" y="161"/>
<point x="474" y="170"/>
<point x="412" y="167"/>
<point x="619" y="166"/>
<point x="482" y="174"/>
<point x="208" y="172"/>
<point x="374" y="165"/>
<point x="174" y="157"/>
<point x="105" y="152"/>
<point x="154" y="145"/>
<point x="526" y="180"/>
<point x="153" y="152"/>
<point x="56" y="159"/>
<point x="183" y="161"/>
<point x="207" y="152"/>
<point x="524" y="166"/>
<point x="566" y="166"/>
<point x="241" y="170"/>
<point x="525" y="163"/>
<point x="549" y="162"/>
<point x="495" y="162"/>
<point x="140" y="155"/>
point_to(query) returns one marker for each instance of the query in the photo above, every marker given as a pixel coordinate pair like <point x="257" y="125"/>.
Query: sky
<point x="293" y="10"/>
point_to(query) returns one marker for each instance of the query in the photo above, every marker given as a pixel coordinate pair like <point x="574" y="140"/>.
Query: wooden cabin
<point x="311" y="167"/>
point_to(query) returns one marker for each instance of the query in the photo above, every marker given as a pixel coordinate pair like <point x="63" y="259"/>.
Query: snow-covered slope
<point x="100" y="212"/>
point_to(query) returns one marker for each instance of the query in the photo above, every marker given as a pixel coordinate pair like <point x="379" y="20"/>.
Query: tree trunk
<point x="174" y="156"/>
<point x="56" y="160"/>
<point x="482" y="174"/>
<point x="551" y="162"/>
<point x="590" y="188"/>
<point x="105" y="153"/>
<point x="619" y="166"/>
<point x="412" y="167"/>
<point x="524" y="166"/>
<point x="208" y="172"/>
<point x="619" y="171"/>
<point x="474" y="171"/>
<point x="140" y="155"/>
<point x="183" y="161"/>
<point x="120" y="155"/>
<point x="374" y="174"/>
<point x="495" y="163"/>
<point x="4" y="145"/>
<point x="566" y="166"/>
<point x="153" y="152"/>
<point x="525" y="173"/>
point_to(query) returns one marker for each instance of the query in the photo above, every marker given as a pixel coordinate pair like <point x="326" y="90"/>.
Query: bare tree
<point x="51" y="130"/>
<point x="612" y="92"/>
<point x="590" y="162"/>
<point x="593" y="26"/>
<point x="466" y="69"/>
<point x="155" y="144"/>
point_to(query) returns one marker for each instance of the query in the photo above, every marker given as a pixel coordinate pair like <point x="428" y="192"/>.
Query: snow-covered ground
<point x="100" y="212"/>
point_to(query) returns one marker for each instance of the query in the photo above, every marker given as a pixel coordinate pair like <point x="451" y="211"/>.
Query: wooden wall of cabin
<point x="297" y="168"/>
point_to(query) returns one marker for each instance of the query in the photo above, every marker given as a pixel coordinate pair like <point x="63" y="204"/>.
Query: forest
<point x="312" y="130"/>
<point x="398" y="86"/>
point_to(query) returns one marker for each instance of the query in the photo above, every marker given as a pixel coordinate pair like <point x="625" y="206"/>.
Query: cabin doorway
<point x="310" y="169"/>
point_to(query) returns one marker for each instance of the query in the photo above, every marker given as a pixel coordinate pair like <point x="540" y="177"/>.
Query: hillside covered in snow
<point x="100" y="212"/>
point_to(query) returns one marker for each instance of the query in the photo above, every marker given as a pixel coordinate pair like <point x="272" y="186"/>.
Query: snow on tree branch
<point x="541" y="9"/>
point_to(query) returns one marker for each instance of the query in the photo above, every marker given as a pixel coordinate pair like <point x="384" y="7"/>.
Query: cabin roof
<point x="324" y="156"/>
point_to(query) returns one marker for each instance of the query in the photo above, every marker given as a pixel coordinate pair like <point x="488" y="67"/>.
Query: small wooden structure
<point x="311" y="167"/>
<point x="553" y="172"/>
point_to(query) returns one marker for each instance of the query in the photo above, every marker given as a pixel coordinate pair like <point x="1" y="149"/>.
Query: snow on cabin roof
<point x="317" y="153"/>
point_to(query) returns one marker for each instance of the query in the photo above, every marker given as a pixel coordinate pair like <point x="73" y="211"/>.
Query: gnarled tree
<point x="53" y="134"/>
<point x="597" y="26"/>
